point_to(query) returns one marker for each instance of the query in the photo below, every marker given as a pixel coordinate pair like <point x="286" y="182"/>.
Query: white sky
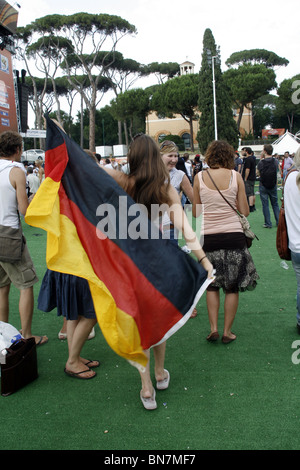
<point x="172" y="30"/>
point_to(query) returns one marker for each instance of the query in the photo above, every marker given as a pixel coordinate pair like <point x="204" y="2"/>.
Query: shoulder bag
<point x="282" y="239"/>
<point x="244" y="221"/>
<point x="12" y="243"/>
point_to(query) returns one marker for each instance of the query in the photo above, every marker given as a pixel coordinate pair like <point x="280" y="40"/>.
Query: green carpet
<point x="228" y="397"/>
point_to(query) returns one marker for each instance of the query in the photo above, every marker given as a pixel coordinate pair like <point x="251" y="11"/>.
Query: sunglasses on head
<point x="137" y="135"/>
<point x="166" y="143"/>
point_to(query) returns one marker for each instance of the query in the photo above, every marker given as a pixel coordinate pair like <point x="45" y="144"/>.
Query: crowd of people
<point x="35" y="175"/>
<point x="215" y="187"/>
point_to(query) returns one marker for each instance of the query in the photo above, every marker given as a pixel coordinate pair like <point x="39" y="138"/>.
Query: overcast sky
<point x="172" y="30"/>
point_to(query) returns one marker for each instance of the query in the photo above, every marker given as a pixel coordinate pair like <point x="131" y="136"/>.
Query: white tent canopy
<point x="286" y="143"/>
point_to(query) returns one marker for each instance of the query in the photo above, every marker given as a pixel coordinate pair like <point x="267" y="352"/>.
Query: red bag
<point x="282" y="239"/>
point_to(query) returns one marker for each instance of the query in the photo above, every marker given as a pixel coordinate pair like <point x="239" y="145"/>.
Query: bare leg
<point x="4" y="303"/>
<point x="159" y="358"/>
<point x="77" y="333"/>
<point x="26" y="311"/>
<point x="64" y="327"/>
<point x="213" y="305"/>
<point x="147" y="387"/>
<point x="160" y="374"/>
<point x="63" y="332"/>
<point x="230" y="308"/>
<point x="26" y="304"/>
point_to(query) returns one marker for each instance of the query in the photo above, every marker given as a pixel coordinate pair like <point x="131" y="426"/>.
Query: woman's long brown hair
<point x="148" y="177"/>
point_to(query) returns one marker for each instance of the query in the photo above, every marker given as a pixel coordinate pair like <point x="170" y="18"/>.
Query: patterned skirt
<point x="235" y="269"/>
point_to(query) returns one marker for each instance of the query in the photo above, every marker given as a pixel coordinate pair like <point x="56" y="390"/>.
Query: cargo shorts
<point x="249" y="187"/>
<point x="21" y="274"/>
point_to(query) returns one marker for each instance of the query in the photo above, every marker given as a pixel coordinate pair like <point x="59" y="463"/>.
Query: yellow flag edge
<point x="65" y="254"/>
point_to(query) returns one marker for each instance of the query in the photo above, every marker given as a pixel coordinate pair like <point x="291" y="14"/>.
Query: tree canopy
<point x="226" y="125"/>
<point x="256" y="56"/>
<point x="178" y="96"/>
<point x="86" y="35"/>
<point x="254" y="76"/>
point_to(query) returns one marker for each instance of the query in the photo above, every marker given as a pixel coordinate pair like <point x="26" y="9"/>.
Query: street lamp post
<point x="214" y="95"/>
<point x="211" y="62"/>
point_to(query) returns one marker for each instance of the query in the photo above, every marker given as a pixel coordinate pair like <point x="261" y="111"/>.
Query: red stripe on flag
<point x="56" y="161"/>
<point x="131" y="290"/>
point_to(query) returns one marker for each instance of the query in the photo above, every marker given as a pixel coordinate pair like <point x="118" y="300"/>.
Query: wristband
<point x="202" y="259"/>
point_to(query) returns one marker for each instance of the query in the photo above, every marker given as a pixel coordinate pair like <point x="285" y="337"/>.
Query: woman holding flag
<point x="148" y="183"/>
<point x="143" y="287"/>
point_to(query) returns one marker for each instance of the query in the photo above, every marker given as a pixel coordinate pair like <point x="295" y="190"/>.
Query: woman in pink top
<point x="224" y="241"/>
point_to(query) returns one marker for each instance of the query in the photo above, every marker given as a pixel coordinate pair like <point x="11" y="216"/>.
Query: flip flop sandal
<point x="149" y="403"/>
<point x="76" y="375"/>
<point x="213" y="337"/>
<point x="227" y="340"/>
<point x="42" y="340"/>
<point x="62" y="336"/>
<point x="163" y="384"/>
<point x="90" y="362"/>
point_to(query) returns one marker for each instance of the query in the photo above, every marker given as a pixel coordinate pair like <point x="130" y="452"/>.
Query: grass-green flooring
<point x="244" y="395"/>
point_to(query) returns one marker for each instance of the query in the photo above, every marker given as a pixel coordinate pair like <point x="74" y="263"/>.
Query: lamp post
<point x="214" y="95"/>
<point x="211" y="62"/>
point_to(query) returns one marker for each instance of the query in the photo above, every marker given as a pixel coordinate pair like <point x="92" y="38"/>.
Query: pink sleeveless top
<point x="217" y="215"/>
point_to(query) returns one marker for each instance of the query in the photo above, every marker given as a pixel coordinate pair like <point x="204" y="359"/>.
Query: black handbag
<point x="21" y="366"/>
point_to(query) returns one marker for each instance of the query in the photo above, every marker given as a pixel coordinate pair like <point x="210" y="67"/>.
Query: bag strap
<point x="283" y="184"/>
<point x="288" y="173"/>
<point x="238" y="213"/>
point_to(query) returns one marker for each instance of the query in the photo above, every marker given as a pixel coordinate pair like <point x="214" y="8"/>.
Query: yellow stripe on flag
<point x="66" y="254"/>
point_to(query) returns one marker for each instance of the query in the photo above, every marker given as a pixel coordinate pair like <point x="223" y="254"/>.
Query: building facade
<point x="159" y="127"/>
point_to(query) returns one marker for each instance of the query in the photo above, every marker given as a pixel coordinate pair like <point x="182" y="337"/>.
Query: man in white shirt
<point x="188" y="165"/>
<point x="33" y="181"/>
<point x="13" y="198"/>
<point x="287" y="164"/>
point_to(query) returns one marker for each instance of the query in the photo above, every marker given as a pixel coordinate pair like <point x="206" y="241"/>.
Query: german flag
<point x="144" y="288"/>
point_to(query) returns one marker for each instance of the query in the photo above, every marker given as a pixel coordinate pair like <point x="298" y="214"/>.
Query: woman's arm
<point x="187" y="188"/>
<point x="180" y="221"/>
<point x="242" y="203"/>
<point x="197" y="206"/>
<point x="118" y="176"/>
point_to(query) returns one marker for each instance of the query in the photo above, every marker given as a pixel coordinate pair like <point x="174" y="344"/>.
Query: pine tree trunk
<point x="120" y="132"/>
<point x="240" y="117"/>
<point x="191" y="133"/>
<point x="92" y="129"/>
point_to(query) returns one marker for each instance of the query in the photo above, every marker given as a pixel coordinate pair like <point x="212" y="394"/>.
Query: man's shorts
<point x="249" y="187"/>
<point x="21" y="274"/>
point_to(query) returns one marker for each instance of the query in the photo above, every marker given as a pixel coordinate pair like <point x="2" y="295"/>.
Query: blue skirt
<point x="69" y="294"/>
